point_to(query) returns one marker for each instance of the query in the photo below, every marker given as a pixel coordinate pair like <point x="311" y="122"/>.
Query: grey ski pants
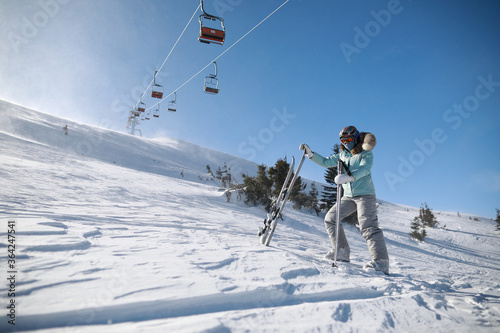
<point x="366" y="205"/>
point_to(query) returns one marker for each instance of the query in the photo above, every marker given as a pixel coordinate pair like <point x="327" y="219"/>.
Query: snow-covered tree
<point x="418" y="229"/>
<point x="424" y="219"/>
<point x="312" y="199"/>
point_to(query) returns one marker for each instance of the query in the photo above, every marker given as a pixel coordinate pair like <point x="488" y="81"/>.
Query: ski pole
<point x="340" y="163"/>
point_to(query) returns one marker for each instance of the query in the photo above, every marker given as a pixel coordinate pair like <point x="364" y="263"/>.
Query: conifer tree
<point x="297" y="188"/>
<point x="218" y="173"/>
<point x="428" y="217"/>
<point x="418" y="229"/>
<point x="498" y="219"/>
<point x="258" y="189"/>
<point x="210" y="171"/>
<point x="312" y="199"/>
<point x="424" y="219"/>
<point x="277" y="175"/>
<point x="329" y="194"/>
<point x="268" y="183"/>
<point x="263" y="180"/>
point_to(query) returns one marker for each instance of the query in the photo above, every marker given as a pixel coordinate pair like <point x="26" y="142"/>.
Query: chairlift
<point x="156" y="112"/>
<point x="133" y="113"/>
<point x="148" y="115"/>
<point x="143" y="116"/>
<point x="172" y="105"/>
<point x="156" y="89"/>
<point x="209" y="34"/>
<point x="141" y="107"/>
<point x="211" y="82"/>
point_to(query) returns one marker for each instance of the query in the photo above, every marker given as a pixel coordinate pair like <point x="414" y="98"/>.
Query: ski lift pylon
<point x="156" y="89"/>
<point x="211" y="82"/>
<point x="210" y="34"/>
<point x="172" y="105"/>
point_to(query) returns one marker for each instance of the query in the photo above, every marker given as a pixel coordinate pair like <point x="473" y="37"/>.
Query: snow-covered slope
<point x="123" y="234"/>
<point x="166" y="157"/>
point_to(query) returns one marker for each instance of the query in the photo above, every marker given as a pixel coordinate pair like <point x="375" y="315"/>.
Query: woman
<point x="359" y="195"/>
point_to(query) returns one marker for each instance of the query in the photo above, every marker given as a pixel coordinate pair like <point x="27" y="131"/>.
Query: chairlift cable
<point x="168" y="56"/>
<point x="178" y="39"/>
<point x="220" y="55"/>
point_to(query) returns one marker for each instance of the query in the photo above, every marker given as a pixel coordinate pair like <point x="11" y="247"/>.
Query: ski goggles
<point x="346" y="140"/>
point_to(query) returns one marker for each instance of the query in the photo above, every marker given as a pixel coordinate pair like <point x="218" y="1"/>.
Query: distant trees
<point x="329" y="193"/>
<point x="266" y="185"/>
<point x="418" y="229"/>
<point x="229" y="184"/>
<point x="277" y="175"/>
<point x="312" y="201"/>
<point x="424" y="219"/>
<point x="261" y="189"/>
<point x="258" y="189"/>
<point x="498" y="219"/>
<point x="209" y="171"/>
<point x="428" y="217"/>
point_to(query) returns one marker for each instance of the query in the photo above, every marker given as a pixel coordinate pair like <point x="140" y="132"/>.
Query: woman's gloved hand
<point x="307" y="150"/>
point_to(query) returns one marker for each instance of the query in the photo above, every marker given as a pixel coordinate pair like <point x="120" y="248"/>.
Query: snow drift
<point x="126" y="234"/>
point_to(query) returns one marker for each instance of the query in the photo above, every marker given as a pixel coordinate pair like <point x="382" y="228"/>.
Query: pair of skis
<point x="270" y="223"/>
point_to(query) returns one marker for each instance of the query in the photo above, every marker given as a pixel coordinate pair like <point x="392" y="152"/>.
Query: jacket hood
<point x="366" y="141"/>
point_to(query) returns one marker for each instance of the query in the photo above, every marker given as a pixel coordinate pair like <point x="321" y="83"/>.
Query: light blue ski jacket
<point x="360" y="166"/>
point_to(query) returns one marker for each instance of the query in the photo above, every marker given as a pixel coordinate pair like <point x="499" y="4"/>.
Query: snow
<point x="111" y="236"/>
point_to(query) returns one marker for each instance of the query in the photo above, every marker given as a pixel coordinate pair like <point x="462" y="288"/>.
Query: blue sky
<point x="423" y="76"/>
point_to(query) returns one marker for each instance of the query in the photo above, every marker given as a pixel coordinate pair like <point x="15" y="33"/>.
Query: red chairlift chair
<point x="156" y="89"/>
<point x="211" y="34"/>
<point x="141" y="107"/>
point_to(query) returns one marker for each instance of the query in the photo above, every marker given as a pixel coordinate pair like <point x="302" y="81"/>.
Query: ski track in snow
<point x="117" y="240"/>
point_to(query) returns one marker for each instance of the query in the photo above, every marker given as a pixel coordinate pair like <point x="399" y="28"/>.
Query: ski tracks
<point x="243" y="279"/>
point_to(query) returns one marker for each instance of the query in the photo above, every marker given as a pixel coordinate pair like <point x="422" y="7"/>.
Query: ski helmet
<point x="349" y="132"/>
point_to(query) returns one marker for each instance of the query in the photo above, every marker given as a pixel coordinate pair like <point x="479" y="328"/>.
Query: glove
<point x="342" y="179"/>
<point x="307" y="150"/>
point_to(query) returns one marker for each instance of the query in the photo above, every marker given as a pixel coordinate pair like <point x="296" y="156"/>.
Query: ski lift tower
<point x="133" y="129"/>
<point x="132" y="121"/>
